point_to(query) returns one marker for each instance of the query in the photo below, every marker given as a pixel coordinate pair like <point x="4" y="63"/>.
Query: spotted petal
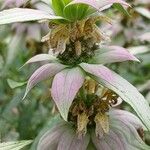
<point x="99" y="5"/>
<point x="65" y="87"/>
<point x="44" y="72"/>
<point x="24" y="14"/>
<point x="123" y="88"/>
<point x="112" y="54"/>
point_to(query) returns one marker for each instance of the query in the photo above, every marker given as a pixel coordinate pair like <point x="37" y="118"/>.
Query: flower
<point x="68" y="80"/>
<point x="70" y="70"/>
<point x="122" y="135"/>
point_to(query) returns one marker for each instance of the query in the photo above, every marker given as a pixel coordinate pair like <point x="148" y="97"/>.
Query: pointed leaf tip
<point x="23" y="15"/>
<point x="99" y="5"/>
<point x="40" y="58"/>
<point x="112" y="54"/>
<point x="44" y="72"/>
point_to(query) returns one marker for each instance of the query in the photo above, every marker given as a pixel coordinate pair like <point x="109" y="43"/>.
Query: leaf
<point x="123" y="88"/>
<point x="145" y="37"/>
<point x="143" y="11"/>
<point x="14" y="84"/>
<point x="40" y="57"/>
<point x="99" y="5"/>
<point x="14" y="145"/>
<point x="126" y="117"/>
<point x="15" y="45"/>
<point x="112" y="54"/>
<point x="121" y="9"/>
<point x="49" y="125"/>
<point x="70" y="141"/>
<point x="44" y="72"/>
<point x="139" y="49"/>
<point x="51" y="138"/>
<point x="58" y="7"/>
<point x="24" y="14"/>
<point x="65" y="86"/>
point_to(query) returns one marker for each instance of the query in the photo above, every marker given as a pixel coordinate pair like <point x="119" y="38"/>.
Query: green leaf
<point x="58" y="7"/>
<point x="71" y="12"/>
<point x="121" y="9"/>
<point x="66" y="1"/>
<point x="14" y="145"/>
<point x="14" y="84"/>
<point x="82" y="11"/>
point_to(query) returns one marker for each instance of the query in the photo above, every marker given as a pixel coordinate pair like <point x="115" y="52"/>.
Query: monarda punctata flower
<point x="122" y="135"/>
<point x="83" y="89"/>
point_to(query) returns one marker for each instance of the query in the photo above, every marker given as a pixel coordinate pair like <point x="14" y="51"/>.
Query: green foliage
<point x="14" y="145"/>
<point x="121" y="9"/>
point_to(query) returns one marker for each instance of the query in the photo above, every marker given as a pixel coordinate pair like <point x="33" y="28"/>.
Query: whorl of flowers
<point x="62" y="136"/>
<point x="83" y="89"/>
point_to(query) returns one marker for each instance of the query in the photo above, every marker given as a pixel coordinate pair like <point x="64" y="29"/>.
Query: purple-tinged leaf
<point x="65" y="86"/>
<point x="125" y="115"/>
<point x="145" y="37"/>
<point x="113" y="54"/>
<point x="34" y="32"/>
<point x="70" y="141"/>
<point x="51" y="138"/>
<point x="99" y="143"/>
<point x="99" y="5"/>
<point x="143" y="11"/>
<point x="115" y="141"/>
<point x="24" y="14"/>
<point x="129" y="133"/>
<point x="13" y="3"/>
<point x="44" y="72"/>
<point x="40" y="57"/>
<point x="123" y="88"/>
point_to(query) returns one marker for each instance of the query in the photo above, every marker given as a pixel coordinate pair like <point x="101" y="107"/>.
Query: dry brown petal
<point x="78" y="48"/>
<point x="82" y="122"/>
<point x="102" y="122"/>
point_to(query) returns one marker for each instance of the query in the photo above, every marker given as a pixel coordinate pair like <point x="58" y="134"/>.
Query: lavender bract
<point x="123" y="135"/>
<point x="83" y="89"/>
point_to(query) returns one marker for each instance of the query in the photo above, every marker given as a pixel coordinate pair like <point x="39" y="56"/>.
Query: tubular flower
<point x="122" y="135"/>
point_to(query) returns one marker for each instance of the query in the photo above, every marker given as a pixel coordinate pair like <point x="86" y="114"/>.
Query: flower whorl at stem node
<point x="93" y="111"/>
<point x="78" y="38"/>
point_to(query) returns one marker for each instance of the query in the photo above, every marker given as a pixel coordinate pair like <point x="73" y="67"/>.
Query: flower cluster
<point x="83" y="89"/>
<point x="122" y="135"/>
